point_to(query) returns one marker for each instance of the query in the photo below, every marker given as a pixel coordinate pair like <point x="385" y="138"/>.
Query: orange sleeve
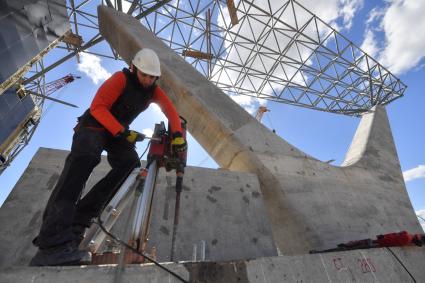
<point x="168" y="109"/>
<point x="105" y="97"/>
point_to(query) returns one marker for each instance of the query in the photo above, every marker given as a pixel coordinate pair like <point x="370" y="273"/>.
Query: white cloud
<point x="90" y="65"/>
<point x="124" y="4"/>
<point x="148" y="132"/>
<point x="375" y="14"/>
<point x="157" y="110"/>
<point x="223" y="18"/>
<point x="421" y="213"/>
<point x="369" y="44"/>
<point x="243" y="99"/>
<point x="414" y="173"/>
<point x="348" y="9"/>
<point x="249" y="103"/>
<point x="403" y="24"/>
<point x="332" y="10"/>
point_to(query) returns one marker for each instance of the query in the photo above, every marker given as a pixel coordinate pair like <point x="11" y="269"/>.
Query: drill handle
<point x="179" y="183"/>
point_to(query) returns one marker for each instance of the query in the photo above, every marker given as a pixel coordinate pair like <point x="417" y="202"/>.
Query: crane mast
<point x="21" y="118"/>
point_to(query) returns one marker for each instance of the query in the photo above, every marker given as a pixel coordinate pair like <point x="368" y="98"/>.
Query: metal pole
<point x="52" y="99"/>
<point x="95" y="236"/>
<point x="179" y="182"/>
<point x="139" y="208"/>
<point x="203" y="249"/>
<point x="143" y="208"/>
<point x="70" y="55"/>
<point x="74" y="12"/>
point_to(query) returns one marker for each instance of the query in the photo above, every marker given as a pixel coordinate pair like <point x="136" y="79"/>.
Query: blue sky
<point x="390" y="31"/>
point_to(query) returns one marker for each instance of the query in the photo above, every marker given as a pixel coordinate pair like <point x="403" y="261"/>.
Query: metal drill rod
<point x="143" y="207"/>
<point x="153" y="139"/>
<point x="179" y="185"/>
<point x="94" y="236"/>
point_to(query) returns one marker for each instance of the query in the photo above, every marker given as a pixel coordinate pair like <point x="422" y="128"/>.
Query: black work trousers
<point x="65" y="208"/>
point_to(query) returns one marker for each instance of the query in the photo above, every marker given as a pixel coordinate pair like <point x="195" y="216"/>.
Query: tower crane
<point x="20" y="120"/>
<point x="260" y="112"/>
<point x="50" y="88"/>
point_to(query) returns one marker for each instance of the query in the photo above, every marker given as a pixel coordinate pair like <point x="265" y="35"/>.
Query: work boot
<point x="67" y="254"/>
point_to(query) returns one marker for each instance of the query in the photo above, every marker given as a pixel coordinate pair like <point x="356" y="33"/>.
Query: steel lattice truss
<point x="276" y="51"/>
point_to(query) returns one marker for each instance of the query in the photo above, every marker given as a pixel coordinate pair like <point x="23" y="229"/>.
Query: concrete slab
<point x="310" y="204"/>
<point x="373" y="265"/>
<point x="106" y="273"/>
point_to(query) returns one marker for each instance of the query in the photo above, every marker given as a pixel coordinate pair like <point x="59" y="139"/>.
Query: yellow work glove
<point x="178" y="144"/>
<point x="132" y="136"/>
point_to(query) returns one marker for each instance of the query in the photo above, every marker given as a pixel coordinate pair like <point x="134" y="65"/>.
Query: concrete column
<point x="310" y="204"/>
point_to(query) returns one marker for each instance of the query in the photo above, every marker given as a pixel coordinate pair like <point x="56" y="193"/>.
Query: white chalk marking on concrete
<point x="370" y="267"/>
<point x="324" y="266"/>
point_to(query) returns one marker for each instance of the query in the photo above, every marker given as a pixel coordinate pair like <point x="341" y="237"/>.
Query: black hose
<point x="100" y="223"/>
<point x="402" y="264"/>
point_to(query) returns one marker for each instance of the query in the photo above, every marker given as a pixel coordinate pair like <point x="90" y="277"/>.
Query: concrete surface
<point x="21" y="213"/>
<point x="310" y="204"/>
<point x="222" y="208"/>
<point x="373" y="265"/>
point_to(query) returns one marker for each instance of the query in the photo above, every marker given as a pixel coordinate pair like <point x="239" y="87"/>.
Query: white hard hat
<point x="147" y="62"/>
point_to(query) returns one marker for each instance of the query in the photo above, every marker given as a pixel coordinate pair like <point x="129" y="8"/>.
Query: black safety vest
<point x="133" y="100"/>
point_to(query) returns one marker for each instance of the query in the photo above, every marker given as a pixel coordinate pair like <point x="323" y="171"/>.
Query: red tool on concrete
<point x="399" y="239"/>
<point x="163" y="153"/>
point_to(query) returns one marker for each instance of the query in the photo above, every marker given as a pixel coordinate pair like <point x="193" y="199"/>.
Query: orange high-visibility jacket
<point x="111" y="90"/>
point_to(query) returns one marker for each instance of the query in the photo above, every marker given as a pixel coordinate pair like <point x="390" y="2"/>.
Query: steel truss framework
<point x="275" y="51"/>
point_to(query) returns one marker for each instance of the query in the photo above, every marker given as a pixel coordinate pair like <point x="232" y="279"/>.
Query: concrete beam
<point x="310" y="204"/>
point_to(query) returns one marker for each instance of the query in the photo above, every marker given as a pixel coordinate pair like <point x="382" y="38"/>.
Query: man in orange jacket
<point x="104" y="126"/>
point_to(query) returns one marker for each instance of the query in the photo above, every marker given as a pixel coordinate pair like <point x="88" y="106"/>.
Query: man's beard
<point x="149" y="88"/>
<point x="143" y="88"/>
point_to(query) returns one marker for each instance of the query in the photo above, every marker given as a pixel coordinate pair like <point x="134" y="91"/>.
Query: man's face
<point x="144" y="79"/>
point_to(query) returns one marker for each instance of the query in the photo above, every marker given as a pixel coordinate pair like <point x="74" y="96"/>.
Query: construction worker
<point x="104" y="126"/>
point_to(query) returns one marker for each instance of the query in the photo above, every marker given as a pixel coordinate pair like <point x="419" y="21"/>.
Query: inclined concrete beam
<point x="310" y="204"/>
